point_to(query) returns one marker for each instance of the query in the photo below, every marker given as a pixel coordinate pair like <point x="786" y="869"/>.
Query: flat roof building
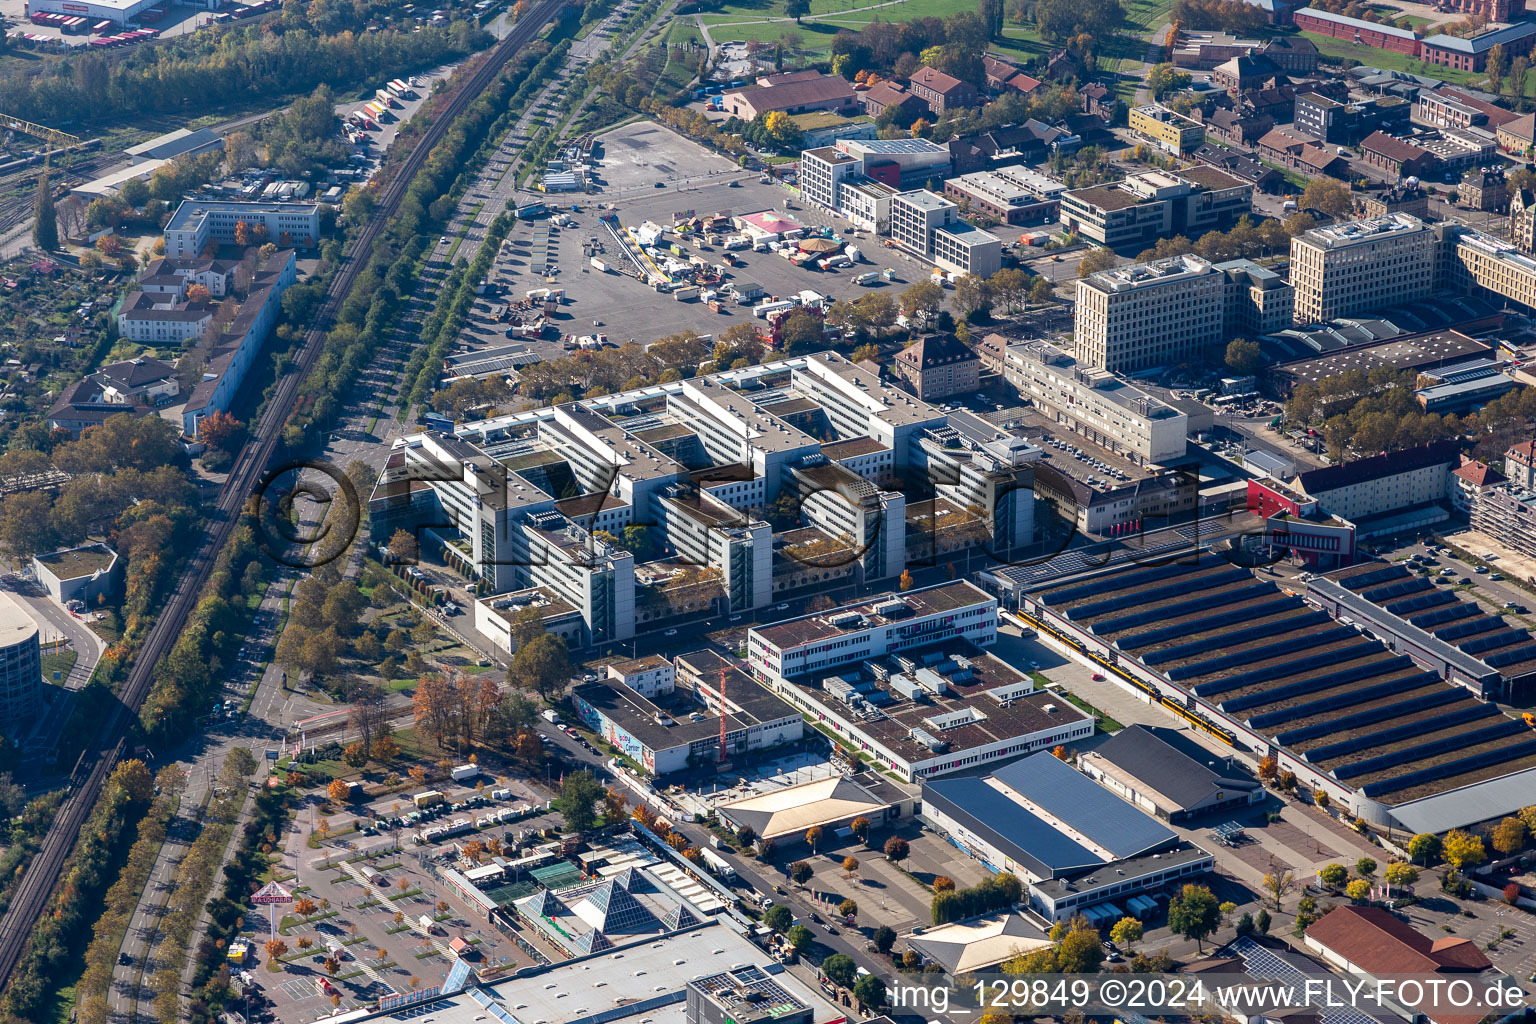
<point x="1157" y="204"/>
<point x="1147" y="315"/>
<point x="1073" y="844"/>
<point x="197" y="222"/>
<point x="1170" y="131"/>
<point x="1360" y="266"/>
<point x="1097" y="404"/>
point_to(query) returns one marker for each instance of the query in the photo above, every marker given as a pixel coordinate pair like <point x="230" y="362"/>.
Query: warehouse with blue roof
<point x="1077" y="847"/>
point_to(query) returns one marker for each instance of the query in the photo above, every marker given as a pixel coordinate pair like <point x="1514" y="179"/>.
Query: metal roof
<point x="1469" y="805"/>
<point x="992" y="816"/>
<point x="1077" y="800"/>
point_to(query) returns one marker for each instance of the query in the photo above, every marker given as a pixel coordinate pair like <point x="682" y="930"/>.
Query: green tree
<point x="1243" y="357"/>
<point x="45" y="226"/>
<point x="840" y="968"/>
<point x="1329" y="195"/>
<point x="972" y="296"/>
<point x="1365" y="867"/>
<point x="801" y="938"/>
<point x="1333" y="875"/>
<point x="1166" y="78"/>
<point x="1194" y="913"/>
<point x="884" y="938"/>
<point x="1495" y="67"/>
<point x="1099" y="258"/>
<point x="578" y="793"/>
<point x="1079" y="951"/>
<point x="797" y="9"/>
<point x="801" y="871"/>
<point x="870" y="992"/>
<point x="1400" y="873"/>
<point x="779" y="918"/>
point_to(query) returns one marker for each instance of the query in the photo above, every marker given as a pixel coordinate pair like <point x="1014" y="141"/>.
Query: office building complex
<point x="1010" y="195"/>
<point x="1168" y="130"/>
<point x="1157" y="204"/>
<point x="1258" y="300"/>
<point x="1358" y="266"/>
<point x="1096" y="404"/>
<point x="530" y="505"/>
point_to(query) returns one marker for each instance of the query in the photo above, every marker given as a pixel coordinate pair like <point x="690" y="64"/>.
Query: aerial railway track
<point x="96" y="763"/>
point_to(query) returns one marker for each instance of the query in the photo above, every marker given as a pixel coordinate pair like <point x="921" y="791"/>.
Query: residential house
<point x="1516" y="137"/>
<point x="1472" y="479"/>
<point x="1241" y="164"/>
<point x="1005" y="77"/>
<point x="1099" y="100"/>
<point x="1243" y="73"/>
<point x="1233" y="127"/>
<point x="137" y="386"/>
<point x="940" y="91"/>
<point x="884" y="95"/>
<point x="1484" y="189"/>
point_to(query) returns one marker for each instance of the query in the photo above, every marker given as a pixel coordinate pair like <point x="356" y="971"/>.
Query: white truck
<point x="717" y="864"/>
<point x="867" y="278"/>
<point x="688" y="294"/>
<point x="550" y="715"/>
<point x="464" y="771"/>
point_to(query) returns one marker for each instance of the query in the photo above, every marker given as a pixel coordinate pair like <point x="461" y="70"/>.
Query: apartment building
<point x="1009" y="195"/>
<point x="928" y="225"/>
<point x="158" y="318"/>
<point x="198" y="222"/>
<point x="1362" y="265"/>
<point x="938" y="366"/>
<point x="903" y="164"/>
<point x="1097" y="405"/>
<point x="867" y="203"/>
<point x="1134" y="213"/>
<point x="1151" y="314"/>
<point x="1170" y="131"/>
<point x="1393" y="482"/>
<point x="940" y="91"/>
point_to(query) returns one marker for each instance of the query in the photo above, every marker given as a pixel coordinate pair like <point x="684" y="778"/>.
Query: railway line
<point x="96" y="763"/>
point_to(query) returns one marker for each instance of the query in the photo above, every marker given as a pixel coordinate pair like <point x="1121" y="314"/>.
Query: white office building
<point x="197" y="222"/>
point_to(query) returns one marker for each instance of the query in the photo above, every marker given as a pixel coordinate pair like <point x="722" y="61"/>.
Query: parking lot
<point x="382" y="908"/>
<point x="633" y="160"/>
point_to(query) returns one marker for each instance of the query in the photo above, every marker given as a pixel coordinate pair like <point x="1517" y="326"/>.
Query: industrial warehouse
<point x="1260" y="668"/>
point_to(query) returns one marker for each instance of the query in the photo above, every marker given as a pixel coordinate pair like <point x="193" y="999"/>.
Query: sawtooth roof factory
<point x="1258" y="667"/>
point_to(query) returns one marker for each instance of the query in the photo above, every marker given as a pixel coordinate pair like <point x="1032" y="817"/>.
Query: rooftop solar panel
<point x="1080" y="802"/>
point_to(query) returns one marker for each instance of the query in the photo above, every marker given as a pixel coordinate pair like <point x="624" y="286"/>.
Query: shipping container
<point x="102" y="27"/>
<point x="686" y="294"/>
<point x="599" y="266"/>
<point x="426" y="798"/>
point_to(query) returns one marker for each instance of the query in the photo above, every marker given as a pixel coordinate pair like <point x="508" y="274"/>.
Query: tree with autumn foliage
<point x="198" y="293"/>
<point x="221" y="432"/>
<point x="276" y="948"/>
<point x="338" y="790"/>
<point x="455" y="706"/>
<point x="242" y="233"/>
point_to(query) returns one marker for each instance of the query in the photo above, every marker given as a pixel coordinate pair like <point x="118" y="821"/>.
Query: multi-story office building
<point x="822" y="173"/>
<point x="1259" y="301"/>
<point x="532" y="503"/>
<point x="1141" y="209"/>
<point x="867" y="203"/>
<point x="1097" y="404"/>
<point x="1151" y="314"/>
<point x="197" y="222"/>
<point x="1011" y="195"/>
<point x="903" y="678"/>
<point x="1169" y="130"/>
<point x="1395" y="481"/>
<point x="929" y="225"/>
<point x="1362" y="265"/>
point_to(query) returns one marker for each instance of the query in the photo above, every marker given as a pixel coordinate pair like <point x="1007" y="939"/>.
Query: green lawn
<point x="1338" y="49"/>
